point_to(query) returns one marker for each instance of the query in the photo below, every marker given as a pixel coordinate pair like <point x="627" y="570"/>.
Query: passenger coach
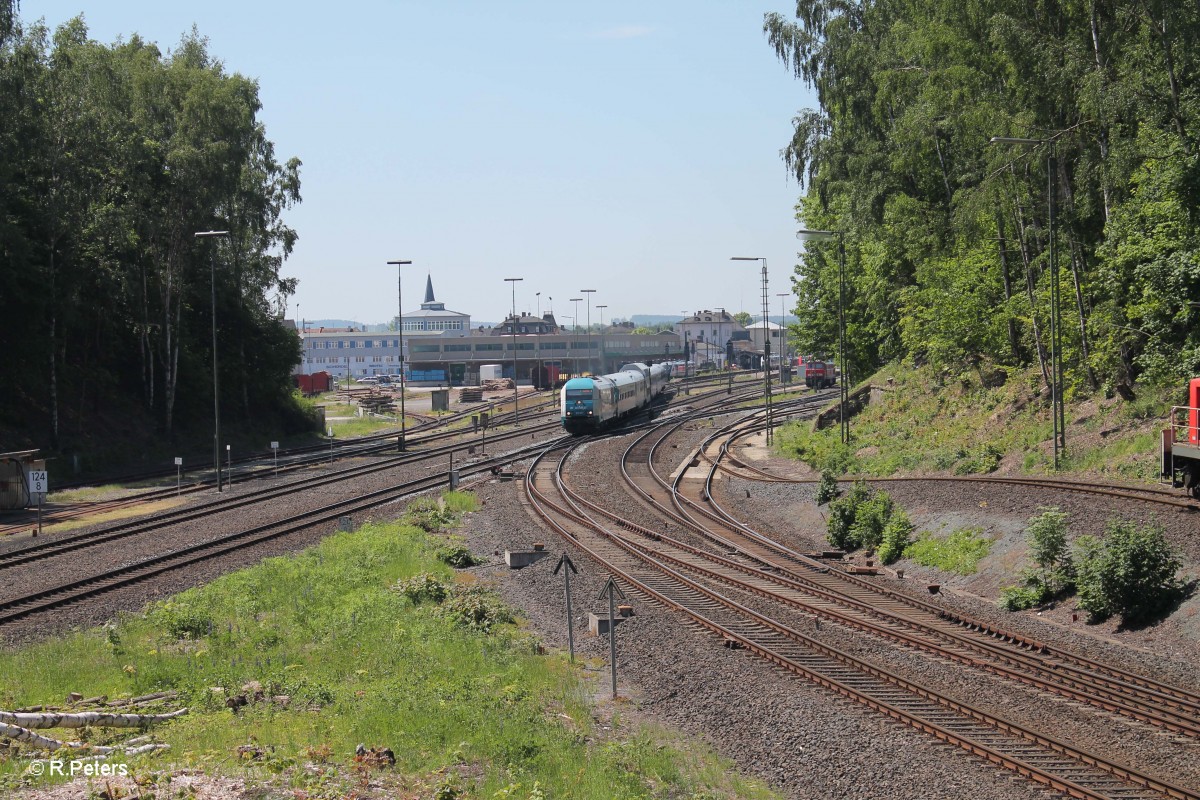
<point x="593" y="403"/>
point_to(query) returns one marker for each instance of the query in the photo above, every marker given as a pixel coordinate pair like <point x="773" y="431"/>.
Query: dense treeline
<point x="112" y="157"/>
<point x="945" y="235"/>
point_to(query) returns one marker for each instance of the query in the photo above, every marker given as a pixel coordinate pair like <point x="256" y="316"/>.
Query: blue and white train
<point x="594" y="403"/>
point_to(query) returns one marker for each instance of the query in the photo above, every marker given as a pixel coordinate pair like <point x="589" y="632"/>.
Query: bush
<point x="841" y="519"/>
<point x="827" y="488"/>
<point x="985" y="461"/>
<point x="897" y="535"/>
<point x="473" y="607"/>
<point x="1019" y="598"/>
<point x="422" y="588"/>
<point x="870" y="518"/>
<point x="458" y="556"/>
<point x="429" y="515"/>
<point x="1047" y="537"/>
<point x="1131" y="572"/>
<point x="860" y="518"/>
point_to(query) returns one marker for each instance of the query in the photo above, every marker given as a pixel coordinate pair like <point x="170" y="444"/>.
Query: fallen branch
<point x="83" y="719"/>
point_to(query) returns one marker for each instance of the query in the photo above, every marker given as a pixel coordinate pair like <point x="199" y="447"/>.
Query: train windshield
<point x="578" y="395"/>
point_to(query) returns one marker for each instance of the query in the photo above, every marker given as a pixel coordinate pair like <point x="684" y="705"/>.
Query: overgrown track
<point x="92" y="585"/>
<point x="293" y="460"/>
<point x="1146" y="494"/>
<point x="683" y="578"/>
<point x="69" y="543"/>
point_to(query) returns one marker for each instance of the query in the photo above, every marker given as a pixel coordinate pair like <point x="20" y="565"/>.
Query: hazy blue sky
<point x="627" y="147"/>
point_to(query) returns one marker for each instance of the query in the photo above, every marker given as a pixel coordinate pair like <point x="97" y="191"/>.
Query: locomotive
<point x="1180" y="462"/>
<point x="593" y="403"/>
<point x="818" y="374"/>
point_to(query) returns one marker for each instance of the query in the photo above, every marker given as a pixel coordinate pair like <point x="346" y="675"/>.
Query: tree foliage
<point x="111" y="158"/>
<point x="947" y="253"/>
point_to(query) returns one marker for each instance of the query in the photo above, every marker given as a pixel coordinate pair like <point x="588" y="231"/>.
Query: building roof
<point x="431" y="307"/>
<point x="708" y="316"/>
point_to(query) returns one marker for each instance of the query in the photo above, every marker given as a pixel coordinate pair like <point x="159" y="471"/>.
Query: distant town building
<point x="433" y="319"/>
<point x="706" y="332"/>
<point x="442" y="348"/>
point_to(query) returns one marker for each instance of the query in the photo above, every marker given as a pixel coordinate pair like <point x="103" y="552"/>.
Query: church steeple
<point x="430" y="304"/>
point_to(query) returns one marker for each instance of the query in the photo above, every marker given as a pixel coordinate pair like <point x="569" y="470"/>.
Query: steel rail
<point x="1083" y="679"/>
<point x="73" y="542"/>
<point x="821" y="676"/>
<point x="83" y="588"/>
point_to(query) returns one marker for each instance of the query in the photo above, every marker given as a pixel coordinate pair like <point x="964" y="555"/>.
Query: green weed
<point x="960" y="552"/>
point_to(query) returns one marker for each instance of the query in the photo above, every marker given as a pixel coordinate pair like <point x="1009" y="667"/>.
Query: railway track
<point x="256" y="469"/>
<point x="69" y="543"/>
<point x="682" y="579"/>
<point x="1145" y="494"/>
<point x="89" y="586"/>
<point x="995" y="650"/>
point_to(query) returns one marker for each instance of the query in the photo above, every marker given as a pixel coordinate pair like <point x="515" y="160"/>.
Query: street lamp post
<point x="783" y="348"/>
<point x="766" y="343"/>
<point x="212" y="262"/>
<point x="589" y="293"/>
<point x="602" y="306"/>
<point x="687" y="353"/>
<point x="1057" y="409"/>
<point x="400" y="327"/>
<point x="516" y="398"/>
<point x="575" y="326"/>
<point x="844" y="392"/>
<point x="303" y="353"/>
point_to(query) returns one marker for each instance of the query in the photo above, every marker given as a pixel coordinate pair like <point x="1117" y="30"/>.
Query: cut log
<point x="19" y="734"/>
<point x="98" y="719"/>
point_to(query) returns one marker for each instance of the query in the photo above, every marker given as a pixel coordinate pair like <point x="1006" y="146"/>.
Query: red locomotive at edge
<point x="1181" y="443"/>
<point x="817" y="374"/>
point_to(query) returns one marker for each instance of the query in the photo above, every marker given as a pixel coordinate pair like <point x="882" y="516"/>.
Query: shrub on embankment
<point x="927" y="421"/>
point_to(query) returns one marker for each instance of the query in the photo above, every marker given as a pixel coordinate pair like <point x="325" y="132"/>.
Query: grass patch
<point x="465" y="707"/>
<point x="927" y="421"/>
<point x="88" y="494"/>
<point x="960" y="552"/>
<point x="361" y="426"/>
<point x="113" y="515"/>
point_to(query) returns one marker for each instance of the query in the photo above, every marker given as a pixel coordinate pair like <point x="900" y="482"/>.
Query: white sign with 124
<point x="39" y="482"/>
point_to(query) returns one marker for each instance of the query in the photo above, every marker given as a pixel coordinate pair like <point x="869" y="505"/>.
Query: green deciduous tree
<point x="111" y="158"/>
<point x="946" y="236"/>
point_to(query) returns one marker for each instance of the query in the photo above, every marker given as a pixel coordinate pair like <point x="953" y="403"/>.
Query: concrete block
<point x="516" y="559"/>
<point x="598" y="623"/>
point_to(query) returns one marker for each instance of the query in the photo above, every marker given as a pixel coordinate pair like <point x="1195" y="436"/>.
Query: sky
<point x="630" y="147"/>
